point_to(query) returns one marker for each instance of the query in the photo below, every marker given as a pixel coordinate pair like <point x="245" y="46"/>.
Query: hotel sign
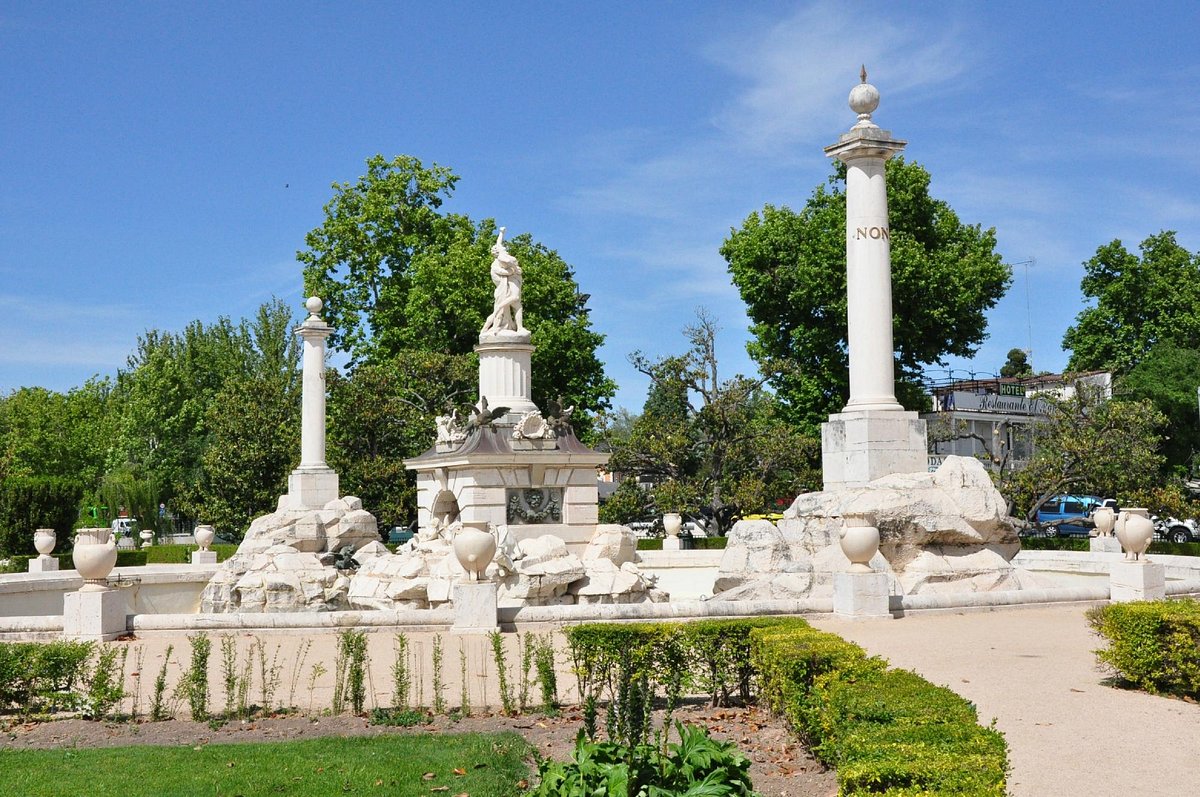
<point x="990" y="402"/>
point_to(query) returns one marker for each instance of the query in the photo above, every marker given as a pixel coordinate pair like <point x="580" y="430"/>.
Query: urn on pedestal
<point x="43" y="541"/>
<point x="474" y="546"/>
<point x="672" y="523"/>
<point x="1105" y="520"/>
<point x="1135" y="530"/>
<point x="204" y="536"/>
<point x="94" y="555"/>
<point x="859" y="540"/>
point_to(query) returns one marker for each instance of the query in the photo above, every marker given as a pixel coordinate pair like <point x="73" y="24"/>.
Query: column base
<point x="1136" y="581"/>
<point x="864" y="445"/>
<point x="43" y="564"/>
<point x="861" y="595"/>
<point x="94" y="616"/>
<point x="475" y="604"/>
<point x="672" y="544"/>
<point x="312" y="488"/>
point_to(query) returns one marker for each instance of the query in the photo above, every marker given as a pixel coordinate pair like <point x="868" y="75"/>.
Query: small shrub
<point x="501" y="659"/>
<point x="349" y="672"/>
<point x="159" y="710"/>
<point x="546" y="672"/>
<point x="105" y="683"/>
<point x="39" y="676"/>
<point x="399" y="718"/>
<point x="229" y="672"/>
<point x="401" y="674"/>
<point x="195" y="680"/>
<point x="1153" y="645"/>
<point x="439" y="684"/>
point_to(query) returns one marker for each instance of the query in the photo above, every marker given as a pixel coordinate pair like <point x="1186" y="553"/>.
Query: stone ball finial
<point x="864" y="98"/>
<point x="313" y="304"/>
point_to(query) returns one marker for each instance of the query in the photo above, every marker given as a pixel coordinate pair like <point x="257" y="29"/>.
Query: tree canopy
<point x="1169" y="377"/>
<point x="1016" y="365"/>
<point x="1140" y="302"/>
<point x="791" y="271"/>
<point x="714" y="448"/>
<point x="398" y="275"/>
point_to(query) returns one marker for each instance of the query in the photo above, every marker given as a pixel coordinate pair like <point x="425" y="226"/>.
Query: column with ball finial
<point x="313" y="484"/>
<point x="873" y="436"/>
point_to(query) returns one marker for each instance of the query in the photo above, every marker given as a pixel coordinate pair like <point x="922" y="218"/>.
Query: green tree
<point x="791" y="271"/>
<point x="715" y="448"/>
<point x="628" y="503"/>
<point x="398" y="275"/>
<point x="67" y="435"/>
<point x="1016" y="365"/>
<point x="382" y="413"/>
<point x="1169" y="377"/>
<point x="1140" y="301"/>
<point x="1088" y="445"/>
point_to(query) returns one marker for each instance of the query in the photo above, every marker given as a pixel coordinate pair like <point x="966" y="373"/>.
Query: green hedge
<point x="1153" y="645"/>
<point x="1081" y="544"/>
<point x="697" y="543"/>
<point x="886" y="731"/>
<point x="40" y="676"/>
<point x="182" y="554"/>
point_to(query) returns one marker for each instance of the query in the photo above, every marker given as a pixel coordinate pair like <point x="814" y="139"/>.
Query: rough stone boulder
<point x="277" y="579"/>
<point x="542" y="571"/>
<point x="617" y="544"/>
<point x="947" y="531"/>
<point x="319" y="532"/>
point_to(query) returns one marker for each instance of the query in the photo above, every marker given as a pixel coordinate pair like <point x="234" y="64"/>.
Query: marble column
<point x="313" y="484"/>
<point x="873" y="436"/>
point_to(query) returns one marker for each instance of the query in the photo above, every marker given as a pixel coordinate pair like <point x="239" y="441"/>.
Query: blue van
<point x="1069" y="507"/>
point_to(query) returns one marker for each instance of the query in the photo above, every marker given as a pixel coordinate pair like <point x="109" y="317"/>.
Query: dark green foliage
<point x="500" y="658"/>
<point x="105" y="682"/>
<point x="1168" y="377"/>
<point x="1140" y="302"/>
<point x="181" y="554"/>
<point x="1153" y="645"/>
<point x="400" y="717"/>
<point x="28" y="503"/>
<point x="1017" y="364"/>
<point x="543" y="655"/>
<point x="696" y="543"/>
<point x="696" y="766"/>
<point x="790" y="268"/>
<point x="159" y="710"/>
<point x="1081" y="544"/>
<point x="39" y="676"/>
<point x="627" y="504"/>
<point x="195" y="680"/>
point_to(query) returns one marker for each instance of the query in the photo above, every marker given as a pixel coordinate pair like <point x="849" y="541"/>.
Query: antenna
<point x="1032" y="261"/>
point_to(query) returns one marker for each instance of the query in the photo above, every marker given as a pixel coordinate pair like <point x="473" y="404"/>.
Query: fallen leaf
<point x="440" y="788"/>
<point x="459" y="771"/>
<point x="522" y="784"/>
<point x="429" y="776"/>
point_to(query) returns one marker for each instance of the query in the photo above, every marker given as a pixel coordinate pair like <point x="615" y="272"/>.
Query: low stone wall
<point x="148" y="590"/>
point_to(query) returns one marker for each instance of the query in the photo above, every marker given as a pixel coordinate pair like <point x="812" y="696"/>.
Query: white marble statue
<point x="448" y="428"/>
<point x="507" y="312"/>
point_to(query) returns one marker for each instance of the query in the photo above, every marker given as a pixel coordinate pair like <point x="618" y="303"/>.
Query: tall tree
<point x="398" y="275"/>
<point x="1017" y="364"/>
<point x="715" y="448"/>
<point x="791" y="271"/>
<point x="382" y="413"/>
<point x="1140" y="301"/>
<point x="67" y="435"/>
<point x="1169" y="377"/>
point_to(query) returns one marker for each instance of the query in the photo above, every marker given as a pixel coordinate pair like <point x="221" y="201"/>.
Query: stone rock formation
<point x="947" y="531"/>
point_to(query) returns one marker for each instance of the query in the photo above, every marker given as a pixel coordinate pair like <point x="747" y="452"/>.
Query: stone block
<point x="1104" y="545"/>
<point x="43" y="564"/>
<point x="672" y="544"/>
<point x="204" y="557"/>
<point x="94" y="616"/>
<point x="1140" y="580"/>
<point x="475" y="606"/>
<point x="859" y="447"/>
<point x="861" y="595"/>
<point x="312" y="489"/>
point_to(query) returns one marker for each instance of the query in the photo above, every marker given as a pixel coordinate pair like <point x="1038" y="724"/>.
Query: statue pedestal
<point x="43" y="564"/>
<point x="475" y="604"/>
<point x="672" y="544"/>
<point x="505" y="375"/>
<point x="1104" y="545"/>
<point x="861" y="595"/>
<point x="1136" y="581"/>
<point x="204" y="557"/>
<point x="94" y="616"/>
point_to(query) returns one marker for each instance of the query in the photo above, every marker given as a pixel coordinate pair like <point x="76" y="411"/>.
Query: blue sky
<point x="163" y="162"/>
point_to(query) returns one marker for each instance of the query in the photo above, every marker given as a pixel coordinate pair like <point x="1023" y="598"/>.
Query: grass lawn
<point x="384" y="765"/>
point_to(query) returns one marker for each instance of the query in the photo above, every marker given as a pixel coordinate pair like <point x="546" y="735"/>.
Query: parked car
<point x="1178" y="530"/>
<point x="1069" y="508"/>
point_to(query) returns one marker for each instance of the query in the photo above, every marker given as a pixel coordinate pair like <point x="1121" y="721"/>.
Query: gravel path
<point x="1034" y="671"/>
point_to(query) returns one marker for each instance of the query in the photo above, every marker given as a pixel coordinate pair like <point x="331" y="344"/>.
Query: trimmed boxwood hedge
<point x="1152" y="645"/>
<point x="886" y="731"/>
<point x="697" y="543"/>
<point x="154" y="555"/>
<point x="1081" y="544"/>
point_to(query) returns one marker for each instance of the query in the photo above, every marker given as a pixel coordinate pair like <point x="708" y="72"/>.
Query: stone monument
<point x="873" y="436"/>
<point x="313" y="484"/>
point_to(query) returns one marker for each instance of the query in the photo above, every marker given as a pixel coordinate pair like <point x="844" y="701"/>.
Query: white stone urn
<point x="147" y="538"/>
<point x="860" y="541"/>
<point x="204" y="536"/>
<point x="1105" y="520"/>
<point x="1135" y="530"/>
<point x="672" y="523"/>
<point x="94" y="555"/>
<point x="474" y="546"/>
<point x="43" y="541"/>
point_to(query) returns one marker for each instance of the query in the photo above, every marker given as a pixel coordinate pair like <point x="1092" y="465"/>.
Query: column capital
<point x="865" y="142"/>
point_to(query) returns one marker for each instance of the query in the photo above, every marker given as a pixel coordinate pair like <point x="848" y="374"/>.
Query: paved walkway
<point x="1034" y="671"/>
